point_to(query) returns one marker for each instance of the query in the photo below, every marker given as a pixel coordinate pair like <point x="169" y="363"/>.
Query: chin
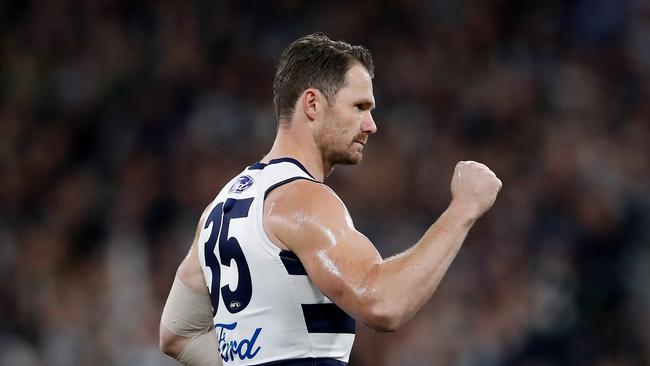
<point x="353" y="159"/>
<point x="347" y="159"/>
<point x="350" y="156"/>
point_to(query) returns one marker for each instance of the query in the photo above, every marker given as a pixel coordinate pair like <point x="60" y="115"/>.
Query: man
<point x="277" y="271"/>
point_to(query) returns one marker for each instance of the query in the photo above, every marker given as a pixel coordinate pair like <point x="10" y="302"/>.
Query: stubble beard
<point x="339" y="152"/>
<point x="335" y="149"/>
<point x="346" y="157"/>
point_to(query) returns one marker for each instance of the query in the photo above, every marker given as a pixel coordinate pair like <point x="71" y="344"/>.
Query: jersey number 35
<point x="229" y="250"/>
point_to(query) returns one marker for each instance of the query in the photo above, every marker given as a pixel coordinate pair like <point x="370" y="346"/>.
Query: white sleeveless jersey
<point x="265" y="306"/>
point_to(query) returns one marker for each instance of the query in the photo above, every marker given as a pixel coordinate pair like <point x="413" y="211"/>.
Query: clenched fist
<point x="474" y="188"/>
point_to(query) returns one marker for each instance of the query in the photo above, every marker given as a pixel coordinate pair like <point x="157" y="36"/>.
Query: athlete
<point x="277" y="273"/>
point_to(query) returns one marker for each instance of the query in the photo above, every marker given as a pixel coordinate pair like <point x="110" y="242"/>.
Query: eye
<point x="364" y="106"/>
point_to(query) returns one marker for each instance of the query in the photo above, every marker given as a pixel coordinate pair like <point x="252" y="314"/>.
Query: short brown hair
<point x="314" y="61"/>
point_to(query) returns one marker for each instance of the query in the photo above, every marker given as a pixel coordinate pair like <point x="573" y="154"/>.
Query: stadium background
<point x="119" y="121"/>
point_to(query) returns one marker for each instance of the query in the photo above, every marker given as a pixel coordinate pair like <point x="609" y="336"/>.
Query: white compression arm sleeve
<point x="201" y="350"/>
<point x="189" y="314"/>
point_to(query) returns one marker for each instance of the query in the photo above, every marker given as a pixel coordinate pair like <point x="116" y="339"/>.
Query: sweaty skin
<point x="346" y="266"/>
<point x="309" y="219"/>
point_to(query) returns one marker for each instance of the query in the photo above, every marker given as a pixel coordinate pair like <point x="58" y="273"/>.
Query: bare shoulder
<point x="302" y="208"/>
<point x="309" y="219"/>
<point x="303" y="193"/>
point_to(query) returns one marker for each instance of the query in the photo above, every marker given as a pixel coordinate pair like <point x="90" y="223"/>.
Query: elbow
<point x="379" y="311"/>
<point x="382" y="317"/>
<point x="169" y="343"/>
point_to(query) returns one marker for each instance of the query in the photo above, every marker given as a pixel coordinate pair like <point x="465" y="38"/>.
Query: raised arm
<point x="310" y="220"/>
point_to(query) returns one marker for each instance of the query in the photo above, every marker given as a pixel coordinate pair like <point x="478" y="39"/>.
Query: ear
<point x="310" y="103"/>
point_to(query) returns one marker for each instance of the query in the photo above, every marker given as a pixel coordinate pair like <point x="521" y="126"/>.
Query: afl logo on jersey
<point x="242" y="184"/>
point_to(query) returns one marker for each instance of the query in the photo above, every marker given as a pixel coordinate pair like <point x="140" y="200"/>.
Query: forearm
<point x="404" y="283"/>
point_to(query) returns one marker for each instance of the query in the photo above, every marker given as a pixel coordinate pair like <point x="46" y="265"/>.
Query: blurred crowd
<point x="120" y="120"/>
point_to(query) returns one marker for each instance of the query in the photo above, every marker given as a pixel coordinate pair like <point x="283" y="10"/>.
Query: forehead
<point x="358" y="84"/>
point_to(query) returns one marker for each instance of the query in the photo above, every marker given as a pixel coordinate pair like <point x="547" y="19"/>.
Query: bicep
<point x="314" y="224"/>
<point x="340" y="270"/>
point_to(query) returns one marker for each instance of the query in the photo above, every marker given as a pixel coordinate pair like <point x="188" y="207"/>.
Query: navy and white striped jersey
<point x="266" y="309"/>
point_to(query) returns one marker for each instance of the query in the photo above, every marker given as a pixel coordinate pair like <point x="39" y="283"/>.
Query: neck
<point x="292" y="141"/>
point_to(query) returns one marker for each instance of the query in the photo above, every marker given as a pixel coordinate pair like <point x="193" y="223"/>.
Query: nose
<point x="368" y="125"/>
